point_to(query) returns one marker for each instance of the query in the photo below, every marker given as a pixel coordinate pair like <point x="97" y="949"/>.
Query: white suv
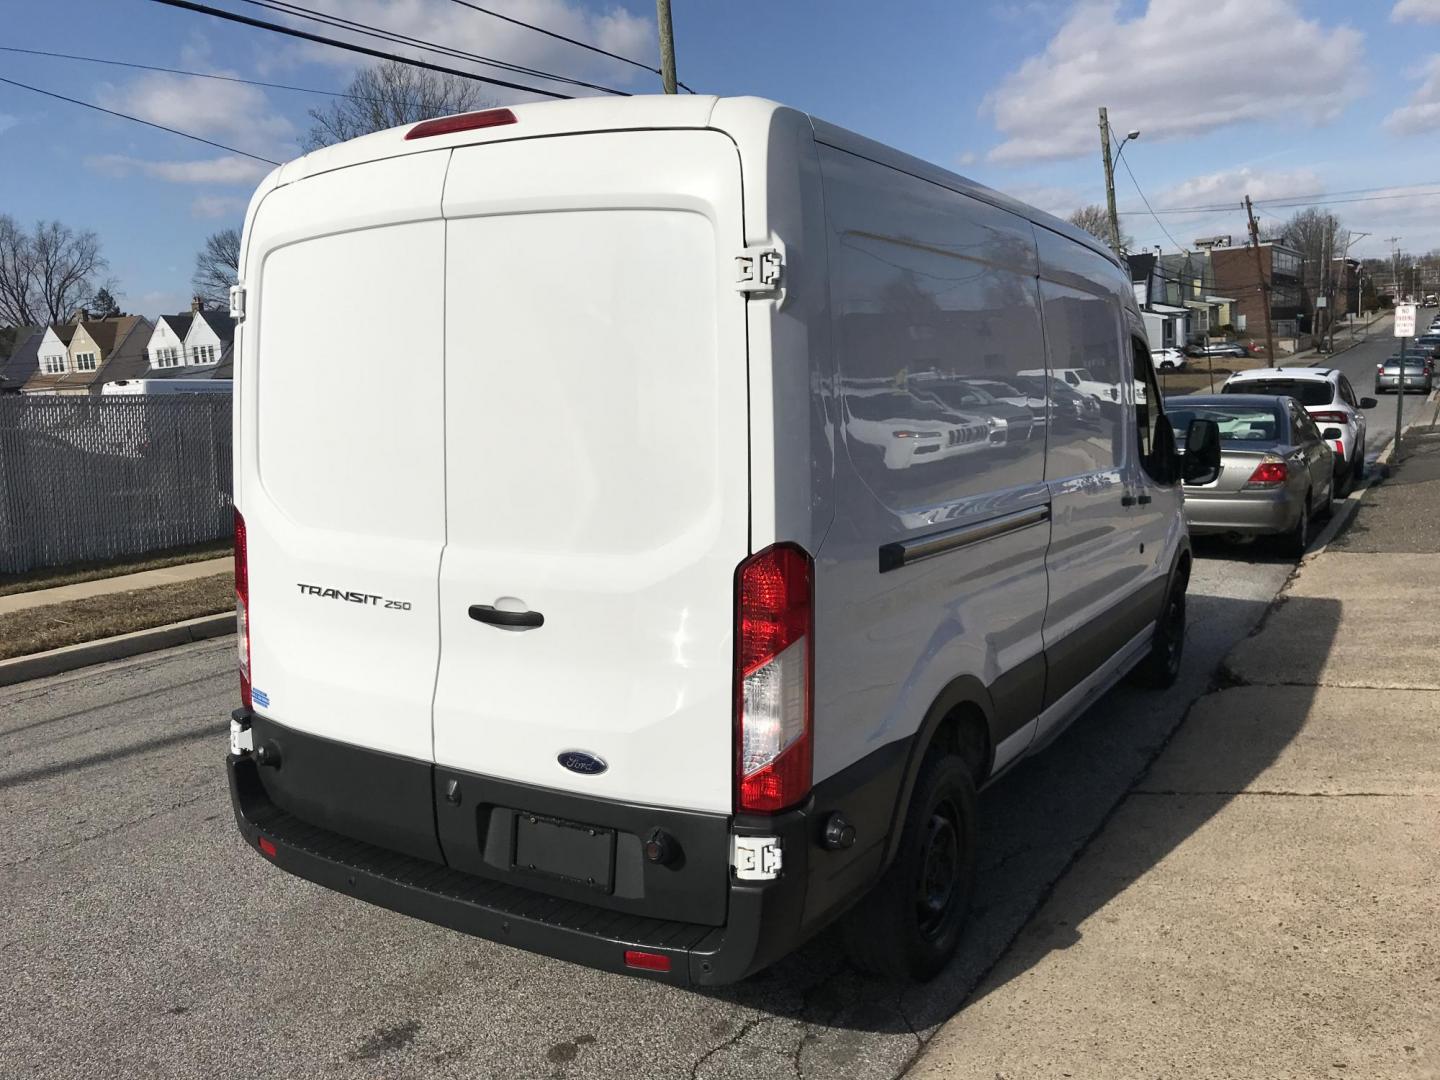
<point x="1329" y="399"/>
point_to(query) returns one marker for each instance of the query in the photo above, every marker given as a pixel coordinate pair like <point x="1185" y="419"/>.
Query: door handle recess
<point x="1144" y="500"/>
<point x="1127" y="500"/>
<point x="524" y="620"/>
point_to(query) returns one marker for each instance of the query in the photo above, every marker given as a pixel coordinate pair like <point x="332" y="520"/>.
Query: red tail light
<point x="773" y="670"/>
<point x="448" y="125"/>
<point x="1329" y="417"/>
<point x="1268" y="474"/>
<point x="646" y="961"/>
<point x="1339" y="449"/>
<point x="242" y="609"/>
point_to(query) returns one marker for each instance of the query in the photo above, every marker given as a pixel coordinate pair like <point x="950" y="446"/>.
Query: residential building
<point x="166" y="347"/>
<point x="1167" y="325"/>
<point x="23" y="359"/>
<point x="210" y="333"/>
<point x="1280" y="270"/>
<point x="75" y="357"/>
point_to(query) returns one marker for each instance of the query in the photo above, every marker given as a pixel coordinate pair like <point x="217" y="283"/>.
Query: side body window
<point x="1149" y="407"/>
<point x="1348" y="393"/>
<point x="1082" y="330"/>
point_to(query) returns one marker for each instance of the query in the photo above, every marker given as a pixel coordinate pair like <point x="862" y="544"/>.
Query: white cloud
<point x="1147" y="71"/>
<point x="220" y="170"/>
<point x="232" y="112"/>
<point x="1415" y="11"/>
<point x="457" y="27"/>
<point x="218" y="206"/>
<point x="1232" y="185"/>
<point x="1052" y="198"/>
<point x="1423" y="112"/>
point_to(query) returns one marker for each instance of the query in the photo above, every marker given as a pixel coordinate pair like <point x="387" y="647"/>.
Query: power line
<point x="190" y="74"/>
<point x="339" y="22"/>
<point x="147" y="123"/>
<point x="1147" y="202"/>
<point x="305" y="35"/>
<point x="561" y="37"/>
<point x="1292" y="201"/>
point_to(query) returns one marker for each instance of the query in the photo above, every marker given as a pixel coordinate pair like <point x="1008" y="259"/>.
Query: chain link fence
<point x="88" y="478"/>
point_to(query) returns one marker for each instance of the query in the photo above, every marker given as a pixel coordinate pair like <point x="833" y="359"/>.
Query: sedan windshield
<point x="1246" y="424"/>
<point x="1306" y="391"/>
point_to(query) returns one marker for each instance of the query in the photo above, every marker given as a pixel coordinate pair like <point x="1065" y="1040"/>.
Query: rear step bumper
<point x="763" y="919"/>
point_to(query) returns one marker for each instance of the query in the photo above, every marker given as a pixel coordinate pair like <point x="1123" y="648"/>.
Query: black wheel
<point x="909" y="925"/>
<point x="1297" y="539"/>
<point x="1161" y="666"/>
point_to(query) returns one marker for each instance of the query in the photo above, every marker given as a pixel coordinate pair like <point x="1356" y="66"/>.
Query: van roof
<point x="659" y="111"/>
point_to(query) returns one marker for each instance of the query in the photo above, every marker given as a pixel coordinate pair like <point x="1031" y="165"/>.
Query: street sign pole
<point x="1404" y="330"/>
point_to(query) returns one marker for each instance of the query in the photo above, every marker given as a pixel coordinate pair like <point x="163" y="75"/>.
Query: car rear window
<point x="1245" y="424"/>
<point x="1305" y="391"/>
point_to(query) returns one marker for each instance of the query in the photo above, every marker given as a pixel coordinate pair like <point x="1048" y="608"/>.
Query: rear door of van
<point x="595" y="480"/>
<point x="342" y="486"/>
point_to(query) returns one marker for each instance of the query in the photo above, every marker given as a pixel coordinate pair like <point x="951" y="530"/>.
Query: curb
<point x="70" y="657"/>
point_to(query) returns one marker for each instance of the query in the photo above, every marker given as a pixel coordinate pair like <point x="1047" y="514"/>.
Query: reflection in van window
<point x="1083" y="334"/>
<point x="932" y="291"/>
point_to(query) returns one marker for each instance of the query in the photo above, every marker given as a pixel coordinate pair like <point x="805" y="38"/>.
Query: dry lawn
<point x="53" y="576"/>
<point x="37" y="629"/>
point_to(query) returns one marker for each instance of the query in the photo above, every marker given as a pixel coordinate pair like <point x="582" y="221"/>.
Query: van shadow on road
<point x="1035" y="825"/>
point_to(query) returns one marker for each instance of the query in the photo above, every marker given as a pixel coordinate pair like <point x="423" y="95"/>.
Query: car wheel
<point x="1357" y="466"/>
<point x="1161" y="666"/>
<point x="909" y="925"/>
<point x="1297" y="539"/>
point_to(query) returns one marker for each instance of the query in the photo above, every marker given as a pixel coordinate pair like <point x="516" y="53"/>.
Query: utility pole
<point x="667" y="45"/>
<point x="1260" y="275"/>
<point x="1109" y="179"/>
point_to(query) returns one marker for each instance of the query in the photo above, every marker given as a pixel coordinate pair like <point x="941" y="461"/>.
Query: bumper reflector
<point x="267" y="847"/>
<point x="646" y="961"/>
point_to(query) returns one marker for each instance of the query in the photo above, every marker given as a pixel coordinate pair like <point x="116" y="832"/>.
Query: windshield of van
<point x="1247" y="424"/>
<point x="1306" y="391"/>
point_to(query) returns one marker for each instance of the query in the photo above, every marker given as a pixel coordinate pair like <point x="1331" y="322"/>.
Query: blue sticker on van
<point x="259" y="697"/>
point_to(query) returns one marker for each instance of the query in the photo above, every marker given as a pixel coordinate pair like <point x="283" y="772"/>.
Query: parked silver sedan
<point x="1276" y="468"/>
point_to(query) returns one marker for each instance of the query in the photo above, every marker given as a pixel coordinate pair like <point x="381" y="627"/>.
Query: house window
<point x="165" y="356"/>
<point x="86" y="361"/>
<point x="202" y="354"/>
<point x="54" y="364"/>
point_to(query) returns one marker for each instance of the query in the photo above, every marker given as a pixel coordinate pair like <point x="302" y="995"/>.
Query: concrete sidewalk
<point x="102" y="586"/>
<point x="1266" y="902"/>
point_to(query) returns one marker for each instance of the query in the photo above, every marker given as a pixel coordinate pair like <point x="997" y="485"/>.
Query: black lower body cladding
<point x="713" y="928"/>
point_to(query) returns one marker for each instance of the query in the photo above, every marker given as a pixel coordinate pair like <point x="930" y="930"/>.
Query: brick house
<point x="1281" y="267"/>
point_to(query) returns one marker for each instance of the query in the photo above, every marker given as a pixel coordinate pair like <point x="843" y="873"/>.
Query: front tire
<point x="909" y="925"/>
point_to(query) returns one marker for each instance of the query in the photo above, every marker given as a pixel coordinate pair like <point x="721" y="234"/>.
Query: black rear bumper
<point x="761" y="920"/>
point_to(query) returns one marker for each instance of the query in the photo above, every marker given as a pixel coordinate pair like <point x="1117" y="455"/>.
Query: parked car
<point x="913" y="429"/>
<point x="1169" y="359"/>
<point x="1221" y="348"/>
<point x="1081" y="381"/>
<point x="1276" y="468"/>
<point x="1068" y="407"/>
<point x="1419" y="374"/>
<point x="699" y="673"/>
<point x="1018" y="417"/>
<point x="1330" y="400"/>
<point x="1427" y="345"/>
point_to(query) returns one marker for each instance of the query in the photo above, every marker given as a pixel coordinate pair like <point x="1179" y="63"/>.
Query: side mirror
<point x="1201" y="464"/>
<point x="1368" y="403"/>
<point x="1331" y="433"/>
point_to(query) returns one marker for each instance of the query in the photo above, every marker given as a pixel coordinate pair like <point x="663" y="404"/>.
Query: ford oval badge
<point x="580" y="762"/>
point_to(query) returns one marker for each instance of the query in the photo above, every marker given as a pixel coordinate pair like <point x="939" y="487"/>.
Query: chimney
<point x="196" y="304"/>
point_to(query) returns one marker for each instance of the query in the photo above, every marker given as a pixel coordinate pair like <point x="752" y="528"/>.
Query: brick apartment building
<point x="1282" y="266"/>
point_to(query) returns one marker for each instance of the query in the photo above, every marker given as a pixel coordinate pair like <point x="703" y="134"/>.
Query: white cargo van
<point x="586" y="603"/>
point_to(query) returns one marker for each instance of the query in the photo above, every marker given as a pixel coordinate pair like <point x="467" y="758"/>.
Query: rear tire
<point x="1161" y="666"/>
<point x="1297" y="539"/>
<point x="909" y="925"/>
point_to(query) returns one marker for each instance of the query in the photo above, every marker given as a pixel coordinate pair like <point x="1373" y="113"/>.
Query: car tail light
<point x="1329" y="417"/>
<point x="448" y="125"/>
<point x="242" y="608"/>
<point x="1270" y="473"/>
<point x="773" y="667"/>
<point x="1339" y="449"/>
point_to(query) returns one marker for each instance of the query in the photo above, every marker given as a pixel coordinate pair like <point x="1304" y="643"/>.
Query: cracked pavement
<point x="1265" y="902"/>
<point x="143" y="934"/>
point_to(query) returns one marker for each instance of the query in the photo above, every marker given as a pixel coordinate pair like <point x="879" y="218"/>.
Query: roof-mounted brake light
<point x="448" y="125"/>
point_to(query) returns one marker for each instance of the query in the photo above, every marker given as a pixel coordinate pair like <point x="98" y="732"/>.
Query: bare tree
<point x="1094" y="220"/>
<point x="217" y="267"/>
<point x="388" y="95"/>
<point x="46" y="275"/>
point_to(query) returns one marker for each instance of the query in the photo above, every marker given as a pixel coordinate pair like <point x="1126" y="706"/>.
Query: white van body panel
<point x="340" y="473"/>
<point x="595" y="439"/>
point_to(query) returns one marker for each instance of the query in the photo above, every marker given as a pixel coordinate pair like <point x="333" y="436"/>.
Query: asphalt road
<point x="142" y="939"/>
<point x="1359" y="364"/>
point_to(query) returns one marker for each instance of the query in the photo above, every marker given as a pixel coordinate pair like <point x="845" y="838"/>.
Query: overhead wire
<point x="395" y="37"/>
<point x="138" y="120"/>
<point x="1146" y="201"/>
<point x="573" y="41"/>
<point x="349" y="46"/>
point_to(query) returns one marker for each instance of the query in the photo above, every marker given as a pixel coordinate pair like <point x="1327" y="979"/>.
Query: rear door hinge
<point x="758" y="270"/>
<point x="237" y="302"/>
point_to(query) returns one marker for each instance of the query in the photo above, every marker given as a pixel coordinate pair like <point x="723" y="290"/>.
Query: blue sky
<point x="1278" y="98"/>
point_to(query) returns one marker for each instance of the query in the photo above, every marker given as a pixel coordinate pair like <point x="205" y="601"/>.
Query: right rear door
<point x="596" y="464"/>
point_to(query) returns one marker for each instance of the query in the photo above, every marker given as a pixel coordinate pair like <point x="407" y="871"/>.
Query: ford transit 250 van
<point x="625" y="571"/>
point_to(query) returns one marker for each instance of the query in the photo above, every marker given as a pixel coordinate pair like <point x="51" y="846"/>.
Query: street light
<point x="1133" y="133"/>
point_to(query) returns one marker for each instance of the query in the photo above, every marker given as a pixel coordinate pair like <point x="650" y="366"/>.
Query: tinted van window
<point x="1083" y="331"/>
